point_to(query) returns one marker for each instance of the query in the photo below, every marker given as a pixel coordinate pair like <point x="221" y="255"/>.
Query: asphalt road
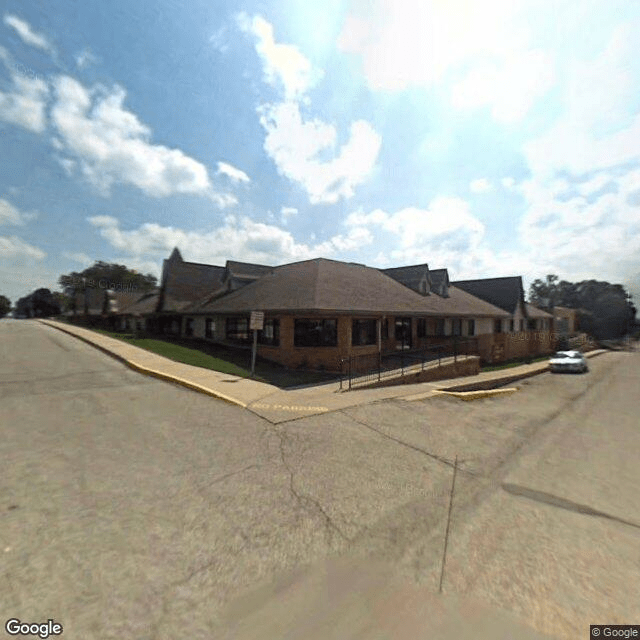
<point x="133" y="508"/>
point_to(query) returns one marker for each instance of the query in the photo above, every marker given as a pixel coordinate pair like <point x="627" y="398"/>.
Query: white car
<point x="568" y="361"/>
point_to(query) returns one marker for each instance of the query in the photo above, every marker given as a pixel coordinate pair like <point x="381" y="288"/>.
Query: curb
<point x="477" y="395"/>
<point x="492" y="383"/>
<point x="151" y="372"/>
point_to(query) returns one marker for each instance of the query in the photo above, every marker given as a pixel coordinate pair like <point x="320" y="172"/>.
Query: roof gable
<point x="416" y="277"/>
<point x="184" y="282"/>
<point x="505" y="293"/>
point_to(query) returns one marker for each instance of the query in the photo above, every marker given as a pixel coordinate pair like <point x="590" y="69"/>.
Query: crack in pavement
<point x="233" y="473"/>
<point x="330" y="526"/>
<point x="446" y="461"/>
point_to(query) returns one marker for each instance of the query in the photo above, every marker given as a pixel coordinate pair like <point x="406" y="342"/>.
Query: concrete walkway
<point x="278" y="405"/>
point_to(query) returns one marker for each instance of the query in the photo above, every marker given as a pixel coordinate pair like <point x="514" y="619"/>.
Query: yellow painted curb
<point x="151" y="372"/>
<point x="182" y="382"/>
<point x="477" y="395"/>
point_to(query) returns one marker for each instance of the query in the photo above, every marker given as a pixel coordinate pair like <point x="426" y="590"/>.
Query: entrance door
<point x="403" y="333"/>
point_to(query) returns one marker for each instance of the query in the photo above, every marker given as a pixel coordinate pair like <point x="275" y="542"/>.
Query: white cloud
<point x="85" y="58"/>
<point x="404" y="43"/>
<point x="508" y="182"/>
<point x="11" y="215"/>
<point x="79" y="257"/>
<point x="295" y="147"/>
<point x="509" y="88"/>
<point x="585" y="238"/>
<point x="15" y="248"/>
<point x="27" y="34"/>
<point x="482" y="48"/>
<point x="112" y="146"/>
<point x="25" y="103"/>
<point x="239" y="238"/>
<point x="445" y="234"/>
<point x="284" y="64"/>
<point x="447" y="221"/>
<point x="481" y="185"/>
<point x="68" y="165"/>
<point x="230" y="171"/>
<point x="582" y="201"/>
<point x="598" y="93"/>
<point x="288" y="211"/>
<point x="219" y="40"/>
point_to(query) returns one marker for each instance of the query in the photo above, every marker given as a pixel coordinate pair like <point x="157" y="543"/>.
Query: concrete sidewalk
<point x="278" y="405"/>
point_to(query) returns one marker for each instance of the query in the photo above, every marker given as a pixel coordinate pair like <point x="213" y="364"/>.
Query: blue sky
<point x="492" y="138"/>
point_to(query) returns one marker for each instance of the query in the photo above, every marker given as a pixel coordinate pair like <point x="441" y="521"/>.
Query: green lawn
<point x="201" y="353"/>
<point x="516" y="363"/>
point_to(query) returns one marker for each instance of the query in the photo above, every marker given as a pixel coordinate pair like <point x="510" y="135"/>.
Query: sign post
<point x="256" y="323"/>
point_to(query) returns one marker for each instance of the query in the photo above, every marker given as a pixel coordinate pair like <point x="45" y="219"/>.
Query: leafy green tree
<point x="605" y="309"/>
<point x="44" y="303"/>
<point x="5" y="306"/>
<point x="39" y="304"/>
<point x="106" y="275"/>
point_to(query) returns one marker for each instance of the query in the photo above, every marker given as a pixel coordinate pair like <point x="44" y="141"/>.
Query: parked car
<point x="566" y="361"/>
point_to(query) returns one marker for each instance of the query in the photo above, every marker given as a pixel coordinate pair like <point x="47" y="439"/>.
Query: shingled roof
<point x="535" y="312"/>
<point x="247" y="269"/>
<point x="240" y="274"/>
<point x="413" y="276"/>
<point x="186" y="282"/>
<point x="439" y="281"/>
<point x="145" y="304"/>
<point x="322" y="285"/>
<point x="504" y="293"/>
<point x="118" y="301"/>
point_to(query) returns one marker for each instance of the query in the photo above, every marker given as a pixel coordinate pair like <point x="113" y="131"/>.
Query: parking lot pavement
<point x="136" y="509"/>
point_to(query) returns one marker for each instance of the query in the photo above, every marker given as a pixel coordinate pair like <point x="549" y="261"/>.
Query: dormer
<point x="415" y="277"/>
<point x="440" y="282"/>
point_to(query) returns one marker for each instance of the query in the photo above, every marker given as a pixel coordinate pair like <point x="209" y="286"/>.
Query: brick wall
<point x="500" y="347"/>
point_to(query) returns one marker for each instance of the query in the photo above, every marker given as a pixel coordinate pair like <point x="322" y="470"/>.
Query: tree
<point x="106" y="275"/>
<point x="62" y="300"/>
<point x="5" y="306"/>
<point x="605" y="309"/>
<point x="39" y="304"/>
<point x="543" y="292"/>
<point x="44" y="303"/>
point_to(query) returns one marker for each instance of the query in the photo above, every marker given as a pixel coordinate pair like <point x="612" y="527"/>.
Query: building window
<point x="384" y="331"/>
<point x="209" y="328"/>
<point x="511" y="325"/>
<point x="456" y="327"/>
<point x="471" y="328"/>
<point x="497" y="325"/>
<point x="315" y="333"/>
<point x="364" y="332"/>
<point x="440" y="327"/>
<point x="188" y="327"/>
<point x="403" y="333"/>
<point x="531" y="325"/>
<point x="270" y="335"/>
<point x="237" y="329"/>
<point x="422" y="327"/>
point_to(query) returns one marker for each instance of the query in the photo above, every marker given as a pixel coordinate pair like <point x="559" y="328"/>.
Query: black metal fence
<point x="358" y="370"/>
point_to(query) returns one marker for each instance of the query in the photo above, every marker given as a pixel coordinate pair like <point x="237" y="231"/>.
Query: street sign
<point x="256" y="323"/>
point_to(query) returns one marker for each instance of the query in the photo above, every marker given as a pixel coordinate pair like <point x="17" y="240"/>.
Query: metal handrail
<point x="353" y="369"/>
